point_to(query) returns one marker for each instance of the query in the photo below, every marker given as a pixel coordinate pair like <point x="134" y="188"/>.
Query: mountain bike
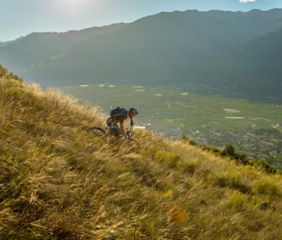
<point x="100" y="132"/>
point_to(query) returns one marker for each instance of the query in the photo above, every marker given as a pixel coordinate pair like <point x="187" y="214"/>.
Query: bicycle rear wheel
<point x="97" y="131"/>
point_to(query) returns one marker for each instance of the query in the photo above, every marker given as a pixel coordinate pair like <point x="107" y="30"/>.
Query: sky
<point x="22" y="17"/>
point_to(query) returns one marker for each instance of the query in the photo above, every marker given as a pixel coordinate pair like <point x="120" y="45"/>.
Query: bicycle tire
<point x="100" y="132"/>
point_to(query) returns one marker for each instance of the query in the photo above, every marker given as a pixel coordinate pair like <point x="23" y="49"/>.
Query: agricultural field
<point x="174" y="109"/>
<point x="253" y="128"/>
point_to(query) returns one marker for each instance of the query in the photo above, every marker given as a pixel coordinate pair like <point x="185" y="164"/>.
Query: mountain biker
<point x="118" y="115"/>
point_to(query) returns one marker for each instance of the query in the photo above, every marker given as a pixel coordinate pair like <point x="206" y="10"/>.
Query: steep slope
<point x="167" y="49"/>
<point x="60" y="182"/>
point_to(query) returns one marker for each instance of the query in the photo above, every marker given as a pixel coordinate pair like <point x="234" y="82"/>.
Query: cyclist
<point x="118" y="115"/>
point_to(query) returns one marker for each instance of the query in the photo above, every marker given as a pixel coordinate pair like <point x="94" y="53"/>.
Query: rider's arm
<point x="131" y="122"/>
<point x="122" y="128"/>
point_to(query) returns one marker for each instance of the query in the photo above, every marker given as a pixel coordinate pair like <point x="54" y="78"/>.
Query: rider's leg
<point x="115" y="130"/>
<point x="109" y="122"/>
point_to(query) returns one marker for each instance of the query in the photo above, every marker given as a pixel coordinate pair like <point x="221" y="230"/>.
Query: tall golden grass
<point x="58" y="181"/>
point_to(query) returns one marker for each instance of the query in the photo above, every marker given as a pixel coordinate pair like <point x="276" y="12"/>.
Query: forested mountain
<point x="36" y="48"/>
<point x="217" y="50"/>
<point x="258" y="64"/>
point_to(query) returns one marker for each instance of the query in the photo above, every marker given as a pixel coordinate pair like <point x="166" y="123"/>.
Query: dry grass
<point x="60" y="182"/>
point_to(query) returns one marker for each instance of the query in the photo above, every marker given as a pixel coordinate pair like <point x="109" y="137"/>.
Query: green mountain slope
<point x="59" y="182"/>
<point x="260" y="59"/>
<point x="36" y="48"/>
<point x="176" y="49"/>
<point x="10" y="42"/>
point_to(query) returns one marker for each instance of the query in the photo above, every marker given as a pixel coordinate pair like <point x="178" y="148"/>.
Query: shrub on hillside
<point x="14" y="93"/>
<point x="259" y="203"/>
<point x="265" y="166"/>
<point x="232" y="180"/>
<point x="239" y="158"/>
<point x="168" y="158"/>
<point x="237" y="201"/>
<point x="187" y="139"/>
<point x="266" y="187"/>
<point x="210" y="149"/>
<point x="229" y="151"/>
<point x="5" y="73"/>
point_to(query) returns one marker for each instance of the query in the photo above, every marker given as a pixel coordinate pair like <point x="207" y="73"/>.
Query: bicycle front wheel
<point x="97" y="131"/>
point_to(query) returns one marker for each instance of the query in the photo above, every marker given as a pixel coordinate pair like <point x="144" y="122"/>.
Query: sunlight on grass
<point x="58" y="181"/>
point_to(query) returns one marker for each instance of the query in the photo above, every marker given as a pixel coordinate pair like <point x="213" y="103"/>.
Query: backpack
<point x="118" y="112"/>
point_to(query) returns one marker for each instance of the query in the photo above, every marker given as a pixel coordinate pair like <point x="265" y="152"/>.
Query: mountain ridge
<point x="168" y="49"/>
<point x="163" y="12"/>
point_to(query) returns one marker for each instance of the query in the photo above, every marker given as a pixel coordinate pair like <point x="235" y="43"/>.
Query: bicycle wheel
<point x="97" y="131"/>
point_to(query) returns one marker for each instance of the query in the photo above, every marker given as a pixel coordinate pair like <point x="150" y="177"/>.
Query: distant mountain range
<point x="219" y="51"/>
<point x="9" y="42"/>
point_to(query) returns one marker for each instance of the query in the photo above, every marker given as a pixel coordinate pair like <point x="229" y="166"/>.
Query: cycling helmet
<point x="133" y="110"/>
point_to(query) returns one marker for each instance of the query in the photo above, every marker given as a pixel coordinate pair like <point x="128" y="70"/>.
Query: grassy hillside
<point x="59" y="182"/>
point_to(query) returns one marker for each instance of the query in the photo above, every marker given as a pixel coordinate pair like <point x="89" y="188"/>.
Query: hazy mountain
<point x="2" y="44"/>
<point x="9" y="42"/>
<point x="258" y="65"/>
<point x="211" y="49"/>
<point x="39" y="47"/>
